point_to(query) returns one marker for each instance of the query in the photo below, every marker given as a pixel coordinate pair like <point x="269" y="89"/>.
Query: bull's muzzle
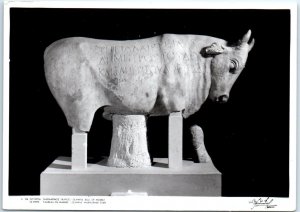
<point x="222" y="99"/>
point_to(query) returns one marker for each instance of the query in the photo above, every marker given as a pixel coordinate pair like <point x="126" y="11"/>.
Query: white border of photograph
<point x="150" y="202"/>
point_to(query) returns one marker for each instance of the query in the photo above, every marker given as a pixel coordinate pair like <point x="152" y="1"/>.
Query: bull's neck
<point x="204" y="63"/>
<point x="200" y="80"/>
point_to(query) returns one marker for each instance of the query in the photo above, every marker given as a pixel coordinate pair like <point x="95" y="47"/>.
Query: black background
<point x="247" y="138"/>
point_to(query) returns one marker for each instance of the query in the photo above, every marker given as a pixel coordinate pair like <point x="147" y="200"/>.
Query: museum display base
<point x="193" y="179"/>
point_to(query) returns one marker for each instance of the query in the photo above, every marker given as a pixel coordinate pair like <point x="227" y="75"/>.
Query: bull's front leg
<point x="198" y="142"/>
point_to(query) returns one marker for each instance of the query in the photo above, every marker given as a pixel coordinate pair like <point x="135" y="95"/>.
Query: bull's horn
<point x="251" y="44"/>
<point x="246" y="37"/>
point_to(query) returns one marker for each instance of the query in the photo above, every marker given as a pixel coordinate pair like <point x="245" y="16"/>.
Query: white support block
<point x="175" y="140"/>
<point x="79" y="150"/>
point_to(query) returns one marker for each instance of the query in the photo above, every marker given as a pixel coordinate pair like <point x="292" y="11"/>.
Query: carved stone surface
<point x="155" y="76"/>
<point x="198" y="142"/>
<point x="129" y="142"/>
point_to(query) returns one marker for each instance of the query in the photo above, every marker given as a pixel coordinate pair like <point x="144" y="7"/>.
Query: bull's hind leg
<point x="198" y="142"/>
<point x="80" y="119"/>
<point x="81" y="122"/>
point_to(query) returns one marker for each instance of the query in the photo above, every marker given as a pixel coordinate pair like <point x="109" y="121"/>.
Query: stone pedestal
<point x="129" y="142"/>
<point x="192" y="179"/>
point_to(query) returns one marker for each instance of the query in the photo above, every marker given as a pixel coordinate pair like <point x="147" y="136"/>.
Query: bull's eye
<point x="233" y="66"/>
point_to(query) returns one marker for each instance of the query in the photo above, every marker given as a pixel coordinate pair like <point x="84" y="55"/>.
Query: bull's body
<point x="154" y="76"/>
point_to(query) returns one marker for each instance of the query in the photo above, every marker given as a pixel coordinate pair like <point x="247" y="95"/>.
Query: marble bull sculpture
<point x="152" y="76"/>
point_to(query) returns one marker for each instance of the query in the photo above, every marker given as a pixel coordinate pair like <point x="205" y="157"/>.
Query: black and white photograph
<point x="149" y="104"/>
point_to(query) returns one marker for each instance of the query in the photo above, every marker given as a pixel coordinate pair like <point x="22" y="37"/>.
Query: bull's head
<point x="226" y="65"/>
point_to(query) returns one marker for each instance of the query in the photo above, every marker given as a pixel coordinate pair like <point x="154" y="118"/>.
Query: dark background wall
<point x="247" y="138"/>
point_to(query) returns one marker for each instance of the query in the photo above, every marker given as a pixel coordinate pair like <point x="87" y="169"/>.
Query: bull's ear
<point x="213" y="49"/>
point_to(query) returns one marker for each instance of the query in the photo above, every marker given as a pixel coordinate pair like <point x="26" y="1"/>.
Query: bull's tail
<point x="46" y="52"/>
<point x="51" y="46"/>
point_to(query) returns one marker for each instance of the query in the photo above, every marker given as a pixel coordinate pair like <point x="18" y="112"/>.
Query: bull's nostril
<point x="223" y="99"/>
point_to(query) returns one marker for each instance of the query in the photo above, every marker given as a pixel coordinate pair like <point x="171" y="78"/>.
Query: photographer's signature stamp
<point x="263" y="202"/>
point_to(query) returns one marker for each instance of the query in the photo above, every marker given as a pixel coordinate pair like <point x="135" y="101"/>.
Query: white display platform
<point x="193" y="179"/>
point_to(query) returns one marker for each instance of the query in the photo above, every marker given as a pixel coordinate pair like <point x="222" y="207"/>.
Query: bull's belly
<point x="135" y="90"/>
<point x="135" y="100"/>
<point x="141" y="91"/>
